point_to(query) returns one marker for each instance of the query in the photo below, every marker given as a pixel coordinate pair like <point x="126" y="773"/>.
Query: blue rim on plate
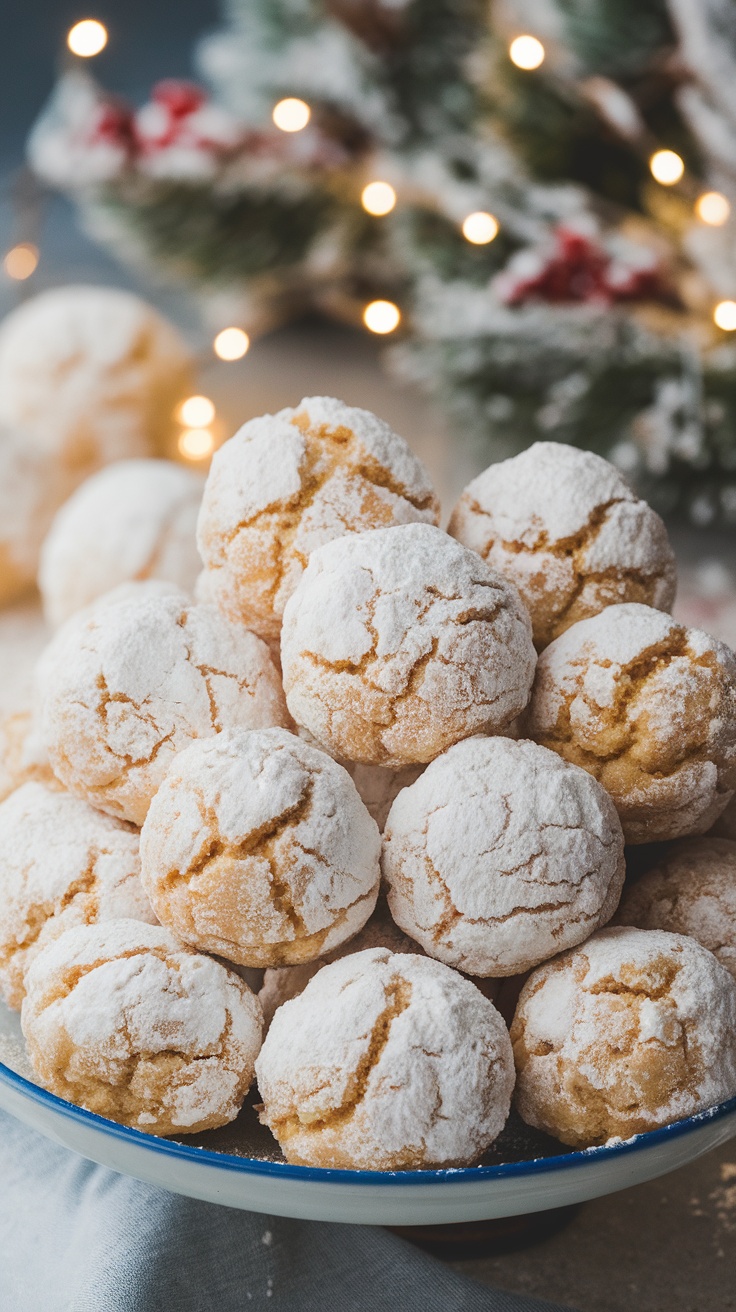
<point x="285" y="1170"/>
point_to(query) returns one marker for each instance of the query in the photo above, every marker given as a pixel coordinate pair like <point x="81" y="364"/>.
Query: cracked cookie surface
<point x="399" y="642"/>
<point x="386" y="1062"/>
<point x="501" y="855"/>
<point x="568" y="530"/>
<point x="63" y="864"/>
<point x="130" y="682"/>
<point x="122" y="1019"/>
<point x="635" y="1029"/>
<point x="134" y="520"/>
<point x="649" y="708"/>
<point x="258" y="847"/>
<point x="285" y="484"/>
<point x="691" y="890"/>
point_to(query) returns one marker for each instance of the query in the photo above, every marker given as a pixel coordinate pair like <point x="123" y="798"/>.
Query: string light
<point x="526" y="52"/>
<point x="231" y="344"/>
<point x="196" y="443"/>
<point x="21" y="261"/>
<point x="196" y="412"/>
<point x="381" y="316"/>
<point x="291" y="115"/>
<point x="712" y="208"/>
<point x="378" y="198"/>
<point x="480" y="228"/>
<point x="724" y="316"/>
<point x="87" y="38"/>
<point x="667" y="167"/>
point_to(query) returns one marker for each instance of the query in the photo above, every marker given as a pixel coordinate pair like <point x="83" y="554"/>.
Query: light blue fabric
<point x="75" y="1237"/>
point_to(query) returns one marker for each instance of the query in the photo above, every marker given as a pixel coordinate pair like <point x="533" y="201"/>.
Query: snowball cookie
<point x="648" y="707"/>
<point x="23" y="755"/>
<point x="129" y="683"/>
<point x="258" y="847"/>
<point x="134" y="520"/>
<point x="288" y="482"/>
<point x="399" y="642"/>
<point x="566" y="527"/>
<point x="386" y="1063"/>
<point x="691" y="890"/>
<point x="122" y="1019"/>
<point x="500" y="855"/>
<point x="94" y="373"/>
<point x="32" y="487"/>
<point x="632" y="1030"/>
<point x="61" y="864"/>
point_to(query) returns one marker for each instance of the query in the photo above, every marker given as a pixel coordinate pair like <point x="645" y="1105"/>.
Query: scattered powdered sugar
<point x="386" y="1062"/>
<point x="133" y="520"/>
<point x="131" y="682"/>
<point x="285" y="484"/>
<point x="691" y="890"/>
<point x="258" y="847"/>
<point x="539" y="864"/>
<point x="123" y="1020"/>
<point x="400" y="641"/>
<point x="63" y="864"/>
<point x="632" y="1030"/>
<point x="647" y="706"/>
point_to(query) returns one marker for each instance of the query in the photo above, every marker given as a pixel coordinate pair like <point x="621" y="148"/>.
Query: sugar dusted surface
<point x="386" y="1062"/>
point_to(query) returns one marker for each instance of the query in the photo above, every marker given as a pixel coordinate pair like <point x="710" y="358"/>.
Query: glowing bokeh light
<point x="231" y="344"/>
<point x="724" y="316"/>
<point x="196" y="443"/>
<point x="291" y="115"/>
<point x="526" y="52"/>
<point x="378" y="198"/>
<point x="21" y="261"/>
<point x="381" y="316"/>
<point x="667" y="167"/>
<point x="87" y="38"/>
<point x="480" y="228"/>
<point x="712" y="208"/>
<point x="197" y="411"/>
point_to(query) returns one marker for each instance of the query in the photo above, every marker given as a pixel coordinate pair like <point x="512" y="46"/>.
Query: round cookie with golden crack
<point x="501" y="855"/>
<point x="386" y="1062"/>
<point x="63" y="864"/>
<point x="120" y="1018"/>
<point x="691" y="890"/>
<point x="648" y="707"/>
<point x="287" y="483"/>
<point x="633" y="1030"/>
<point x="399" y="642"/>
<point x="130" y="682"/>
<point x="93" y="374"/>
<point x="569" y="531"/>
<point x="257" y="847"/>
<point x="133" y="520"/>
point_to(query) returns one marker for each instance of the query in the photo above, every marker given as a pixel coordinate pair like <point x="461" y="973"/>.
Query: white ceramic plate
<point x="240" y="1165"/>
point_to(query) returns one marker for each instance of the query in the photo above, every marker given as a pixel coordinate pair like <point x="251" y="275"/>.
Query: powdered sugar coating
<point x="399" y="642"/>
<point x="501" y="855"/>
<point x="258" y="847"/>
<point x="567" y="528"/>
<point x="691" y="890"/>
<point x="635" y="1029"/>
<point x="123" y="1020"/>
<point x="63" y="864"/>
<point x="128" y="683"/>
<point x="386" y="1062"/>
<point x="648" y="707"/>
<point x="285" y="484"/>
<point x="93" y="373"/>
<point x="134" y="520"/>
<point x="23" y="755"/>
<point x="32" y="487"/>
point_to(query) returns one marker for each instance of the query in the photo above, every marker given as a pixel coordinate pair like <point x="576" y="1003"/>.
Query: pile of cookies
<point x="336" y="821"/>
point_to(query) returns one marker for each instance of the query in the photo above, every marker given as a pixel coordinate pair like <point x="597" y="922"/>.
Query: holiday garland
<point x="549" y="285"/>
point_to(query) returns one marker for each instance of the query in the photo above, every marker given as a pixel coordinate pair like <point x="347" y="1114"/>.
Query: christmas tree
<point x="539" y="191"/>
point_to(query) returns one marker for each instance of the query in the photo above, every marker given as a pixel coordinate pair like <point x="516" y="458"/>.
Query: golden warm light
<point x="667" y="167"/>
<point x="197" y="411"/>
<point x="480" y="228"/>
<point x="21" y="261"/>
<point x="724" y="316"/>
<point x="231" y="344"/>
<point x="291" y="115"/>
<point x="378" y="198"/>
<point x="381" y="316"/>
<point x="712" y="208"/>
<point x="196" y="444"/>
<point x="87" y="38"/>
<point x="526" y="52"/>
